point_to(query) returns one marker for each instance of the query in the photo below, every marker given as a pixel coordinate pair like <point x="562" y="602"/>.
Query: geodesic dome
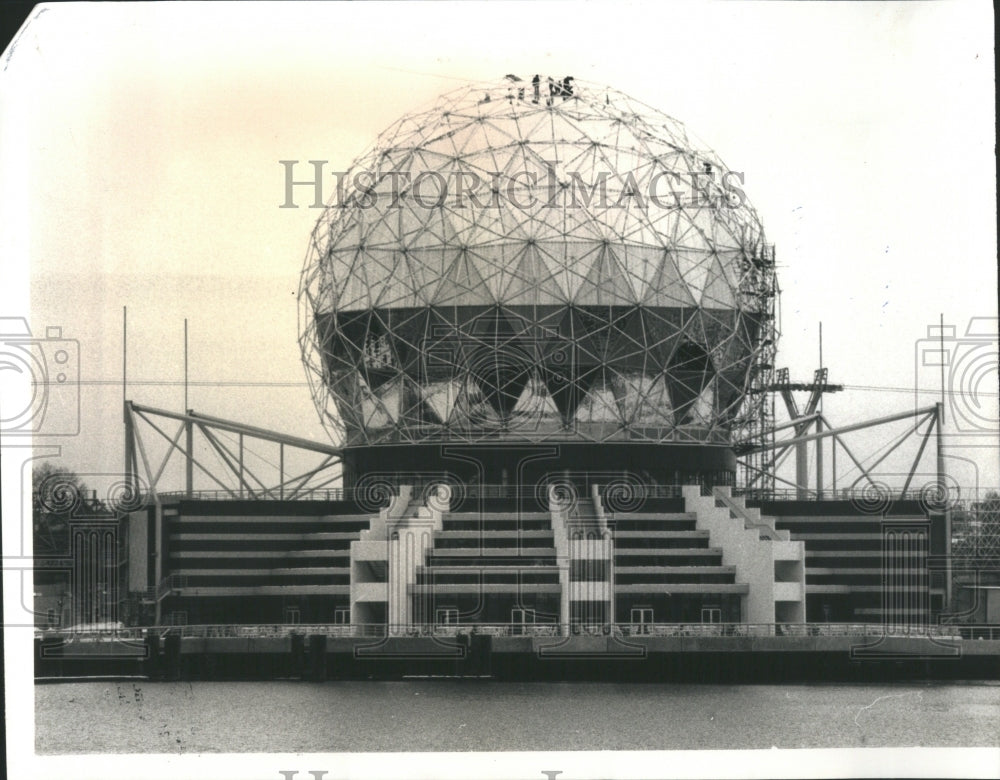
<point x="502" y="266"/>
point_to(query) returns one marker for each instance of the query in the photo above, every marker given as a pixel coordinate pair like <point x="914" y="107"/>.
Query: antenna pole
<point x="130" y="476"/>
<point x="948" y="585"/>
<point x="941" y="362"/>
<point x="124" y="352"/>
<point x="819" y="425"/>
<point x="188" y="426"/>
<point x="821" y="362"/>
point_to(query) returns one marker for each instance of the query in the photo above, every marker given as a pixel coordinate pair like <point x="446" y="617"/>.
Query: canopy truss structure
<point x="864" y="482"/>
<point x="224" y="454"/>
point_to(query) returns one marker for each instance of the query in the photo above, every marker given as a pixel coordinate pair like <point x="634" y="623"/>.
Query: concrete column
<point x="802" y="471"/>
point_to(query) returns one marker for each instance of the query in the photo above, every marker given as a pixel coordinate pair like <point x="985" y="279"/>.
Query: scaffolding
<point x="755" y="428"/>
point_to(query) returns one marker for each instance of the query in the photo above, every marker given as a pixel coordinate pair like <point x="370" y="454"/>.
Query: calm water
<point x="447" y="715"/>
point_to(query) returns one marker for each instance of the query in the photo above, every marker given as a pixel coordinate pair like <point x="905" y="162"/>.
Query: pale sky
<point x="139" y="149"/>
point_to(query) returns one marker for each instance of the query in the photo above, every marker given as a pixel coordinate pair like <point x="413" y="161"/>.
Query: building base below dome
<point x="527" y="465"/>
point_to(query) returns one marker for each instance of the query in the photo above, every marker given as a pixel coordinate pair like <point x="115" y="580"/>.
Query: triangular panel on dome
<point x="383" y="233"/>
<point x="662" y="328"/>
<point x="490" y="274"/>
<point x="486" y="216"/>
<point x="694" y="329"/>
<point x="441" y="397"/>
<point x="567" y="381"/>
<point x="663" y="221"/>
<point x="412" y="410"/>
<point x="718" y="293"/>
<point x="627" y="340"/>
<point x="576" y="157"/>
<point x="591" y="331"/>
<point x="623" y="393"/>
<point x="563" y="128"/>
<point x="730" y="389"/>
<point x="443" y="224"/>
<point x="487" y="163"/>
<point x="488" y="325"/>
<point x="354" y="293"/>
<point x="346" y="229"/>
<point x="494" y="263"/>
<point x="462" y="218"/>
<point x="611" y="219"/>
<point x="731" y="260"/>
<point x="646" y="402"/>
<point x="411" y="225"/>
<point x="636" y="228"/>
<point x="641" y="266"/>
<point x="599" y="406"/>
<point x="464" y="137"/>
<point x="729" y="352"/>
<point x="534" y="408"/>
<point x="501" y="375"/>
<point x="472" y="412"/>
<point x="390" y="395"/>
<point x="427" y="269"/>
<point x="423" y="164"/>
<point x="690" y="371"/>
<point x="727" y="233"/>
<point x="603" y="282"/>
<point x="694" y="265"/>
<point x="518" y="284"/>
<point x="554" y="268"/>
<point x="343" y="386"/>
<point x="702" y="410"/>
<point x="496" y="133"/>
<point x="511" y="222"/>
<point x="408" y="331"/>
<point x="373" y="412"/>
<point x="668" y="289"/>
<point x="704" y="216"/>
<point x="576" y="221"/>
<point x="715" y="325"/>
<point x="389" y="278"/>
<point x="688" y="235"/>
<point x="352" y="332"/>
<point x="521" y="324"/>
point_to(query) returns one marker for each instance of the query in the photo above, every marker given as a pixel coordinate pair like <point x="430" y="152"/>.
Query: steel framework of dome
<point x="563" y="264"/>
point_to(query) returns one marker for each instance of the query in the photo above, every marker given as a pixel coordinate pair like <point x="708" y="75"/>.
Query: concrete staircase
<point x="765" y="559"/>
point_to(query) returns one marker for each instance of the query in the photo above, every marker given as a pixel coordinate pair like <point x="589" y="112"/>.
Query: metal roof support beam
<point x="145" y="460"/>
<point x="207" y="471"/>
<point x="211" y="427"/>
<point x="894" y="447"/>
<point x="837" y="440"/>
<point x="302" y="479"/>
<point x="235" y="463"/>
<point x="857" y="426"/>
<point x="226" y="458"/>
<point x="920" y="452"/>
<point x="173" y="445"/>
<point x="236" y="427"/>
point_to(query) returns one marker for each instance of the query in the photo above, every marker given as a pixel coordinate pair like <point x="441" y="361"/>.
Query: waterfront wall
<point x="654" y="658"/>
